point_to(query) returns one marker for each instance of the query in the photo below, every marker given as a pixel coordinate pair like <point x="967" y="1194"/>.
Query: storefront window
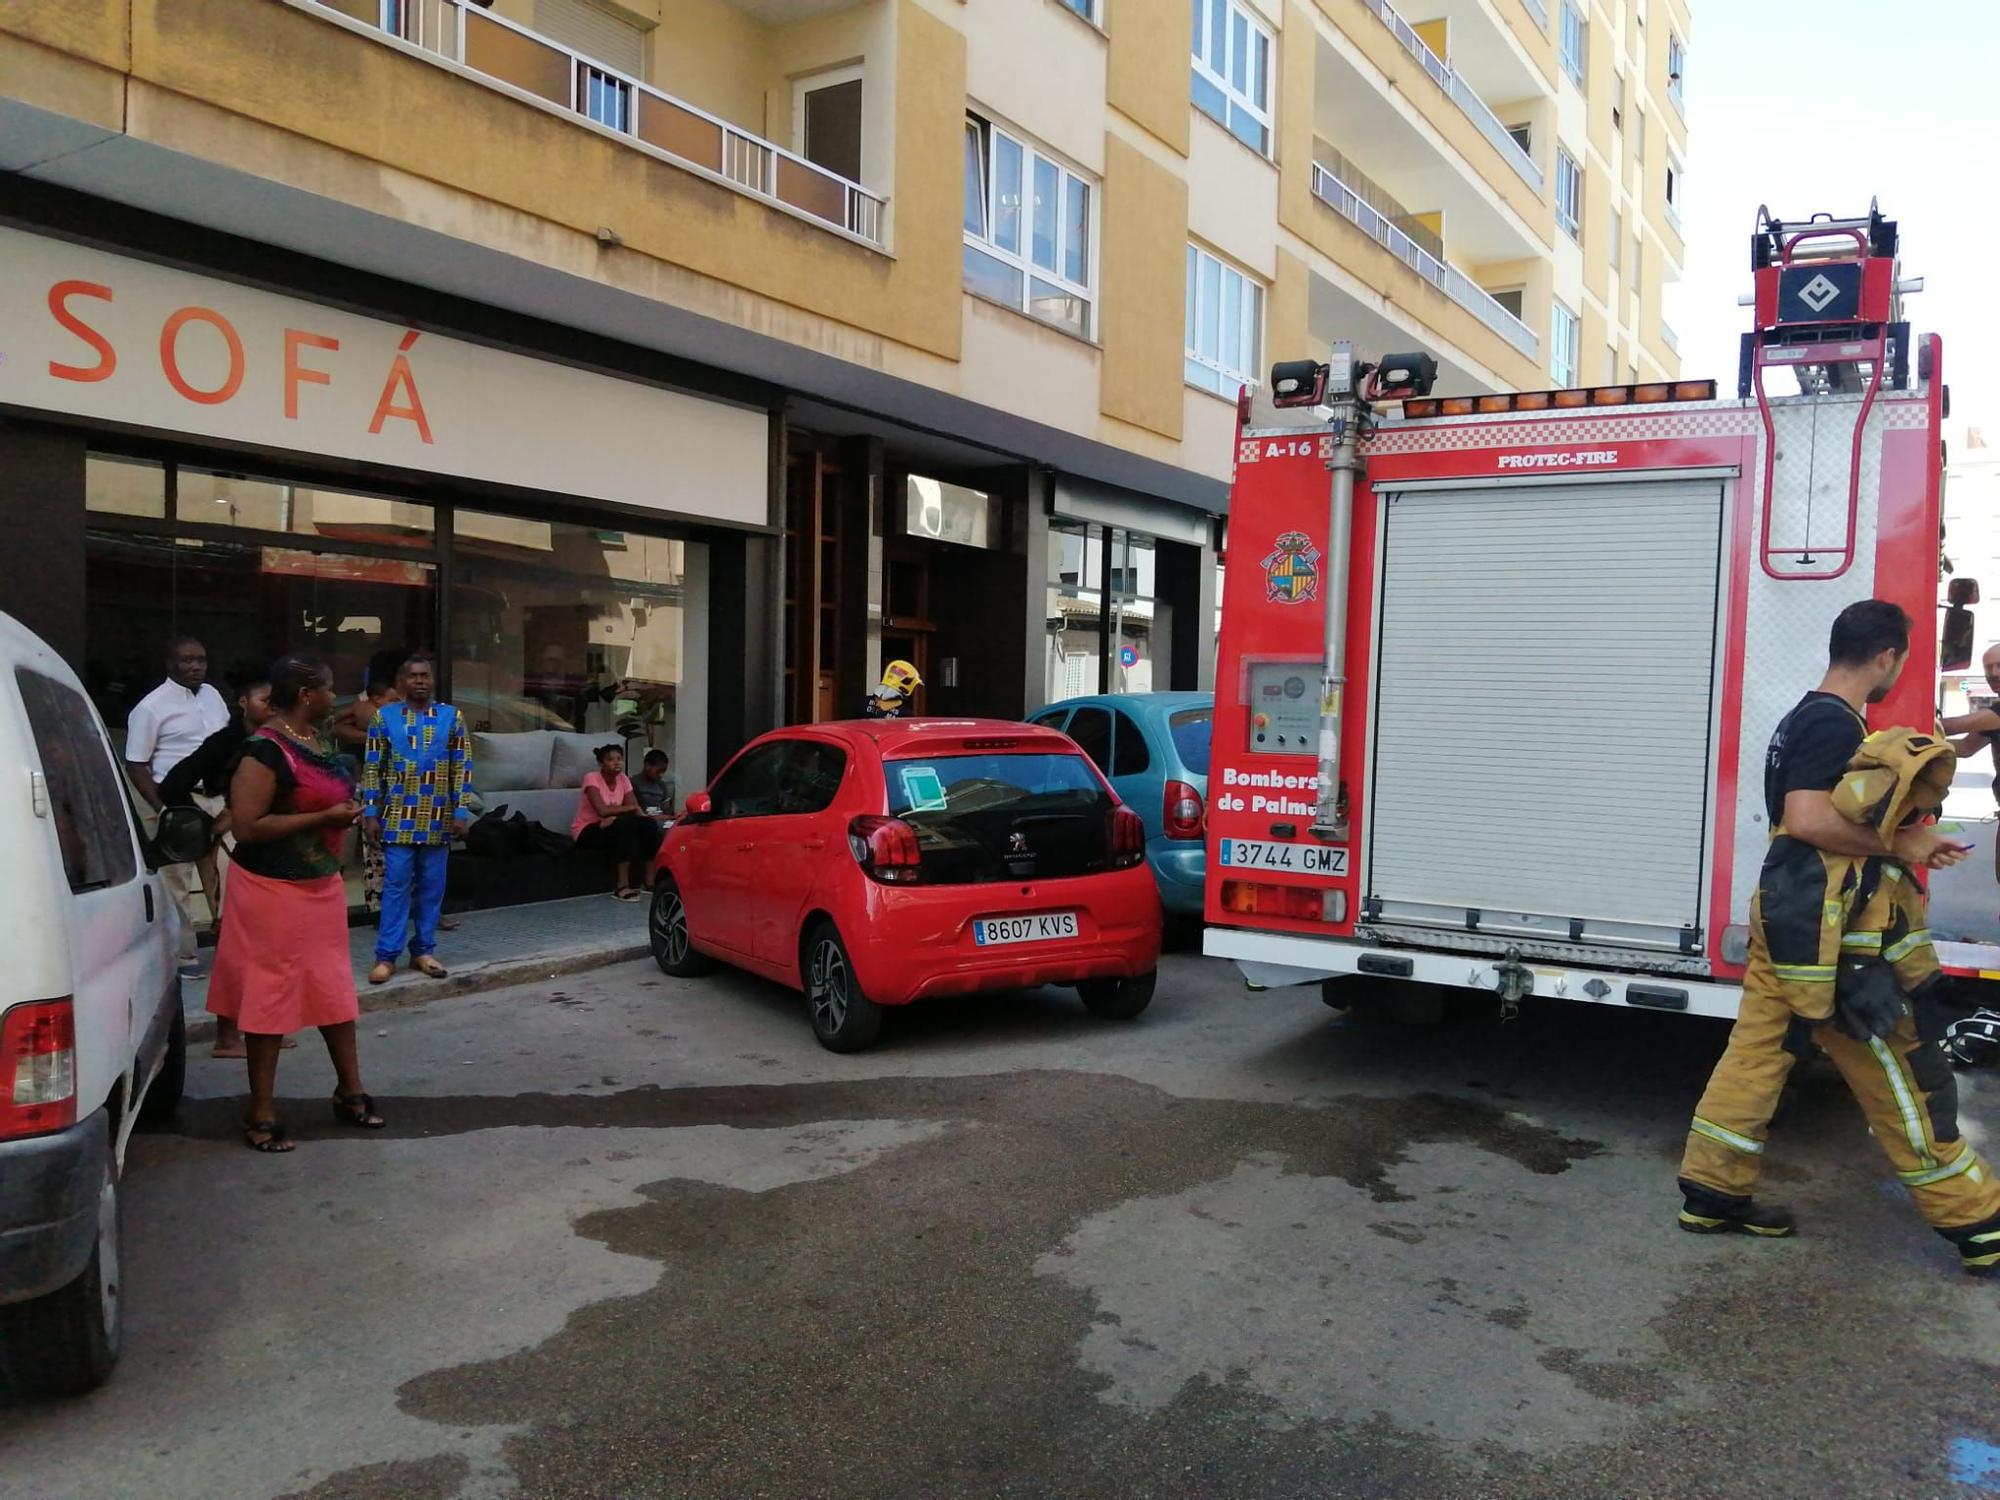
<point x="212" y="498"/>
<point x="566" y="627"/>
<point x="1075" y="620"/>
<point x="125" y="487"/>
<point x="1139" y="624"/>
<point x="248" y="603"/>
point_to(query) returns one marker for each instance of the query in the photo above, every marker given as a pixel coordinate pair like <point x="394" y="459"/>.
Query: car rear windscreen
<point x="1002" y="817"/>
<point x="1190" y="729"/>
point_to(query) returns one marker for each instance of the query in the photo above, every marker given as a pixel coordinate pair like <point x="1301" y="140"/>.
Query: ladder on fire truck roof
<point x="1828" y="306"/>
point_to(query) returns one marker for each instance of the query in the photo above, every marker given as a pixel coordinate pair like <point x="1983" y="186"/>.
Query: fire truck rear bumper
<point x="1272" y="960"/>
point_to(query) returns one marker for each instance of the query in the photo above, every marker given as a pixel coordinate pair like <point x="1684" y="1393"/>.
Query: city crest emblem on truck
<point x="1291" y="572"/>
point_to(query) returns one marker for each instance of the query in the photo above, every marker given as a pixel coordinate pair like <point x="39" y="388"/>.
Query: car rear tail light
<point x="886" y="849"/>
<point x="1183" y="814"/>
<point x="1128" y="838"/>
<point x="1302" y="903"/>
<point x="37" y="1068"/>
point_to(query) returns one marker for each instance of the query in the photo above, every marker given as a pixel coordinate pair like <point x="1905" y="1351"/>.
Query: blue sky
<point x="1815" y="107"/>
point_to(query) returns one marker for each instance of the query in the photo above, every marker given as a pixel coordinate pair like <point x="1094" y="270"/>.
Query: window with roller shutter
<point x="599" y="34"/>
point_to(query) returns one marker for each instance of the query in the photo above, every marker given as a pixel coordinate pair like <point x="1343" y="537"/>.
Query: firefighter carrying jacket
<point x="1840" y="956"/>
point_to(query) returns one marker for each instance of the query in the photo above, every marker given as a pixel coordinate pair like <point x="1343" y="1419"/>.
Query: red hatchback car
<point x="875" y="862"/>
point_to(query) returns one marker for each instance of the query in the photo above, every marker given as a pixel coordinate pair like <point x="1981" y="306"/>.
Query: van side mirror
<point x="183" y="836"/>
<point x="698" y="805"/>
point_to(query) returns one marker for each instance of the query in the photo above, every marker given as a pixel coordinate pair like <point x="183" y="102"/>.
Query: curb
<point x="408" y="990"/>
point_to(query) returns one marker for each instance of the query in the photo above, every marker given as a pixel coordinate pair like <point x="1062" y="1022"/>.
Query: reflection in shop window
<point x="211" y="498"/>
<point x="1075" y="611"/>
<point x="569" y="628"/>
<point x="125" y="487"/>
<point x="248" y="603"/>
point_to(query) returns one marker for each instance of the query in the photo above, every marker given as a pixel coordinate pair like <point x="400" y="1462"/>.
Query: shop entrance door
<point x="826" y="578"/>
<point x="909" y="629"/>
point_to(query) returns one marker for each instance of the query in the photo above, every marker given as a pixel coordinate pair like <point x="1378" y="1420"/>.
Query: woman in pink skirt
<point x="282" y="963"/>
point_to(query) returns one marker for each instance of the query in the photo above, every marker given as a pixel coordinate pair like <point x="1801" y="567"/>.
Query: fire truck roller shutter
<point x="1545" y="705"/>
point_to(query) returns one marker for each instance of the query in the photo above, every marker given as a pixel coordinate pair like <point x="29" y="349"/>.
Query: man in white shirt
<point x="166" y="727"/>
<point x="169" y="723"/>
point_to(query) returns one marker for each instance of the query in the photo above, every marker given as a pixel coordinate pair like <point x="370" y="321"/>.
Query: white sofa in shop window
<point x="536" y="772"/>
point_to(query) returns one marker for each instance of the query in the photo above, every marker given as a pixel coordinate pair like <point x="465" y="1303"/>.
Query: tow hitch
<point x="1515" y="981"/>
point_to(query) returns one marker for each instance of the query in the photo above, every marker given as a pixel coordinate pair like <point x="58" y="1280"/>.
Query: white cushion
<point x="576" y="755"/>
<point x="511" y="762"/>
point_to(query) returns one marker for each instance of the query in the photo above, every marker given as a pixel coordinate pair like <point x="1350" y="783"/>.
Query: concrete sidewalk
<point x="506" y="945"/>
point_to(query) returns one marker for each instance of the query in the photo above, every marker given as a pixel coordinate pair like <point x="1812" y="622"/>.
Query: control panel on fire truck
<point x="1284" y="714"/>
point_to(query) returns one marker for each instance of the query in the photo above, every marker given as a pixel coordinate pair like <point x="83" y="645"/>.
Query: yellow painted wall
<point x="1286" y="313"/>
<point x="1596" y="226"/>
<point x="1149" y="65"/>
<point x="1433" y="221"/>
<point x="61" y="83"/>
<point x="1366" y="33"/>
<point x="313" y="82"/>
<point x="1592" y="349"/>
<point x="92" y="29"/>
<point x="1145" y="218"/>
<point x="715" y="56"/>
<point x="1603" y="59"/>
<point x="1436" y="35"/>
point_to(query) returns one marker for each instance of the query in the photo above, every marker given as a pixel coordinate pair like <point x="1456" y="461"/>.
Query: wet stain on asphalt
<point x="440" y="1478"/>
<point x="888" y="1331"/>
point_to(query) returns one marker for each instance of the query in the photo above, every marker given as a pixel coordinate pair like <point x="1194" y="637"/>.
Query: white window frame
<point x="1574" y="24"/>
<point x="1673" y="188"/>
<point x="1569" y="216"/>
<point x="1228" y="376"/>
<point x="1565" y="331"/>
<point x="812" y="83"/>
<point x="1023" y="259"/>
<point x="1218" y="77"/>
<point x="1090" y="10"/>
<point x="1676" y="70"/>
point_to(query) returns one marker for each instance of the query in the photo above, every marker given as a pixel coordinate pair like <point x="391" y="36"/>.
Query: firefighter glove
<point x="1867" y="1002"/>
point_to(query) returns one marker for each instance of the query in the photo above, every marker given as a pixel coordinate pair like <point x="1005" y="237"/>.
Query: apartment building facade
<point x="668" y="365"/>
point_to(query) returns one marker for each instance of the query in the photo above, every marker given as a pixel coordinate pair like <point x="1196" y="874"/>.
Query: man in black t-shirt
<point x="1796" y="927"/>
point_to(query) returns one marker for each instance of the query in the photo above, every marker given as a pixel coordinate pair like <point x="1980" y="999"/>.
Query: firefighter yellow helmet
<point x="899" y="680"/>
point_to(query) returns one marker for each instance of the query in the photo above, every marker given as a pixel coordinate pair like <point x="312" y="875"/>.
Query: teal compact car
<point x="1153" y="748"/>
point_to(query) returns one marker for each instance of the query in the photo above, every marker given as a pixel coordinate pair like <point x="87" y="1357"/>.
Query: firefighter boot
<point x="1978" y="1247"/>
<point x="1704" y="1211"/>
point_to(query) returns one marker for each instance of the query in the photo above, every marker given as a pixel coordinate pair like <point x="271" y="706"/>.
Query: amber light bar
<point x="1586" y="396"/>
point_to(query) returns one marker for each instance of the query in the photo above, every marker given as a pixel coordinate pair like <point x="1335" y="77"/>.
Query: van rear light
<point x="37" y="1068"/>
<point x="886" y="849"/>
<point x="1128" y="838"/>
<point x="1301" y="903"/>
<point x="1183" y="813"/>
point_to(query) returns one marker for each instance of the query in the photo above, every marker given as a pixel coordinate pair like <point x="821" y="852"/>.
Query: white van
<point x="91" y="1033"/>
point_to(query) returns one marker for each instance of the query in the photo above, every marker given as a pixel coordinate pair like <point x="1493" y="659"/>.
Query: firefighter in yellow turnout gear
<point x="1840" y="957"/>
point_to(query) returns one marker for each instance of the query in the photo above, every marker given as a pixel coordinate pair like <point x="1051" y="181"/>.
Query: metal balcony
<point x="517" y="60"/>
<point x="1441" y="274"/>
<point x="1462" y="93"/>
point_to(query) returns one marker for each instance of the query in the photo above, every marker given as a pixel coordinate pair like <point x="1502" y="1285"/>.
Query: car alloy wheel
<point x="829" y="987"/>
<point x="669" y="937"/>
<point x="670" y="927"/>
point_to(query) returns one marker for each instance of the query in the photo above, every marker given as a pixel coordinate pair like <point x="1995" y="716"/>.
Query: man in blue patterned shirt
<point x="415" y="783"/>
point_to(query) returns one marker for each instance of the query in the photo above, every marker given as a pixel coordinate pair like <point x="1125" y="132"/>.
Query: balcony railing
<point x="1667" y="338"/>
<point x="1467" y="98"/>
<point x="1539" y="11"/>
<point x="520" y="60"/>
<point x="1441" y="274"/>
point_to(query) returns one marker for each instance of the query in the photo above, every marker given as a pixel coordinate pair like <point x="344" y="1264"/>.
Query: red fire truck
<point x="1497" y="673"/>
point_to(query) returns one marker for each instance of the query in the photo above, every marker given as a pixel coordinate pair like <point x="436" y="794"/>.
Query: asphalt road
<point x="632" y="1236"/>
